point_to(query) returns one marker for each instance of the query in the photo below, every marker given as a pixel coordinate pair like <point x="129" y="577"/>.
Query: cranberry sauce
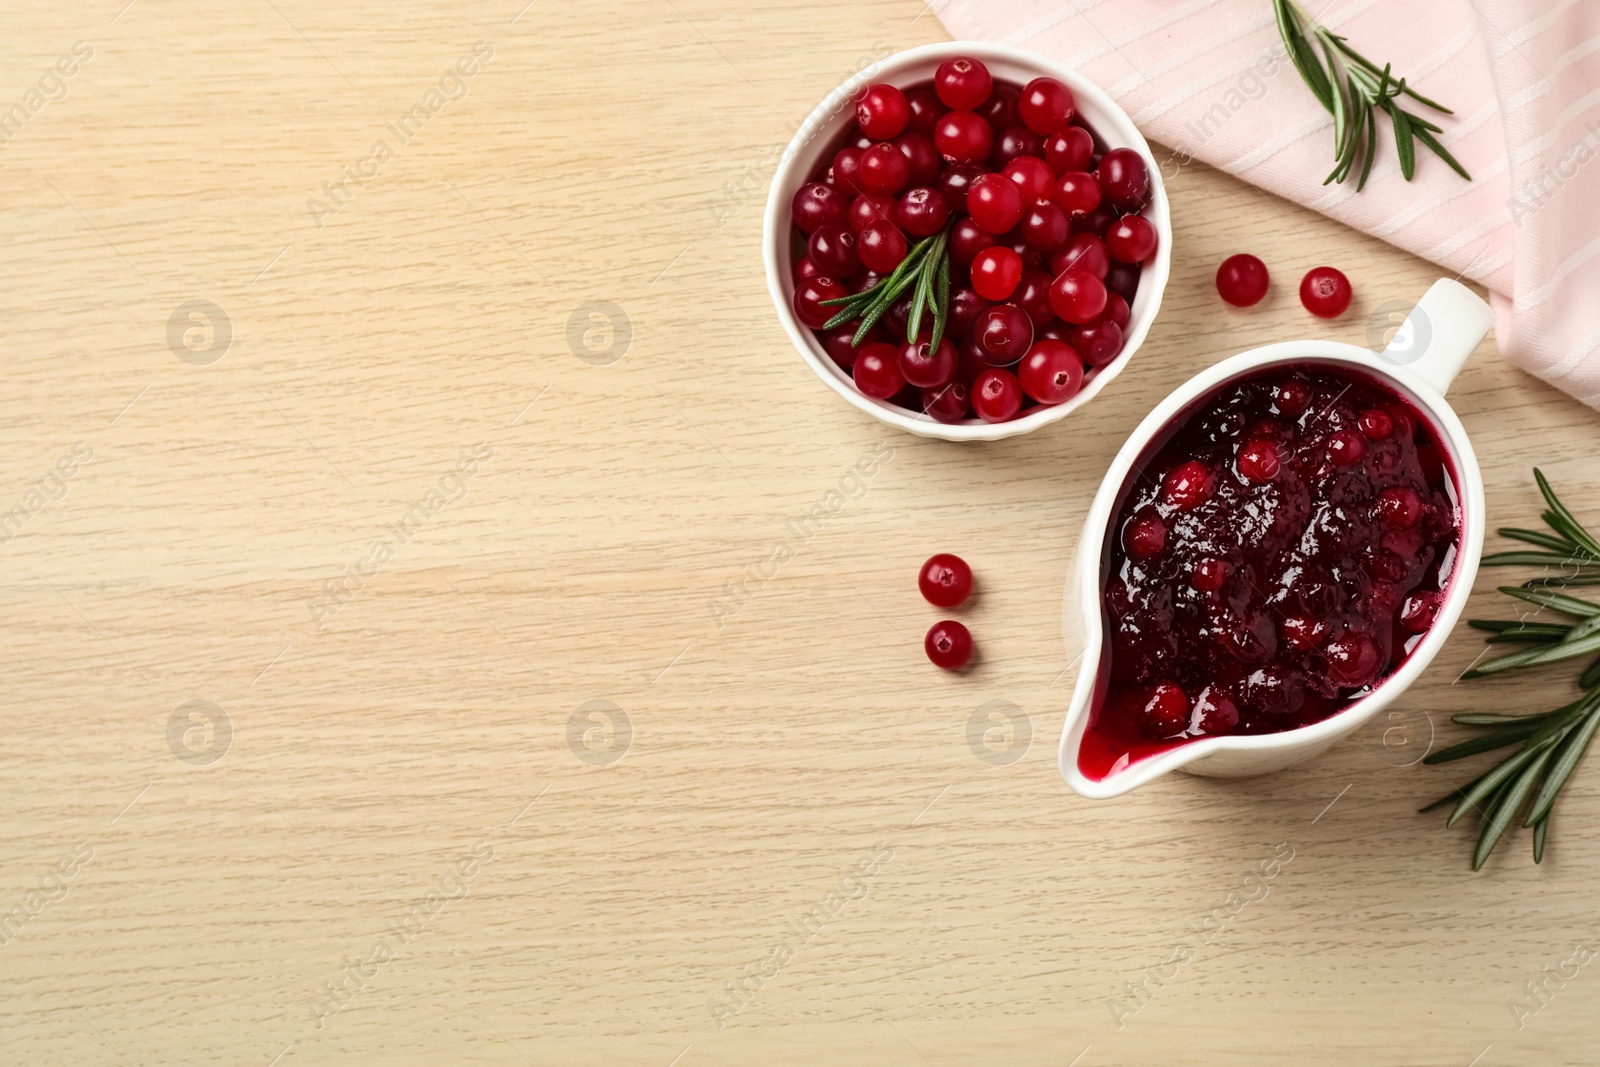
<point x="1276" y="554"/>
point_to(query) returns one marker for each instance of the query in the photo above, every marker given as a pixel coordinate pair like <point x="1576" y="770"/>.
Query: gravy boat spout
<point x="1419" y="364"/>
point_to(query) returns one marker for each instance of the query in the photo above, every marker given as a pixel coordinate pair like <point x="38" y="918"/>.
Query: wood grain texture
<point x="618" y="151"/>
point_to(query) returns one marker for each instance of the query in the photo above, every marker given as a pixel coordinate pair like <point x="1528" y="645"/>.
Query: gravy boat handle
<point x="1439" y="334"/>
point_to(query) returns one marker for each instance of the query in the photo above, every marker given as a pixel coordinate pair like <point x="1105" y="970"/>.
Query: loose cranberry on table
<point x="1242" y="280"/>
<point x="1281" y="552"/>
<point x="945" y="580"/>
<point x="948" y="645"/>
<point x="1325" y="292"/>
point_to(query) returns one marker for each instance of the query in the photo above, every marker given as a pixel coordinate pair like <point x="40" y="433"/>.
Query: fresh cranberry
<point x="881" y="246"/>
<point x="1051" y="372"/>
<point x="838" y="344"/>
<point x="1123" y="279"/>
<point x="869" y="208"/>
<point x="1215" y="713"/>
<point x="927" y="367"/>
<point x="1003" y="334"/>
<point x="1375" y="424"/>
<point x="833" y="250"/>
<point x="1145" y="535"/>
<point x="947" y="403"/>
<point x="1188" y="485"/>
<point x="1032" y="295"/>
<point x="866" y="279"/>
<point x="1044" y="226"/>
<point x="1077" y="193"/>
<point x="1208" y="575"/>
<point x="1046" y="105"/>
<point x="1017" y="142"/>
<point x="1099" y="341"/>
<point x="1117" y="311"/>
<point x="1242" y="280"/>
<point x="846" y="170"/>
<point x="996" y="395"/>
<point x="922" y="158"/>
<point x="995" y="203"/>
<point x="923" y="109"/>
<point x="1124" y="178"/>
<point x="1166" y="711"/>
<point x="1084" y="251"/>
<point x="945" y="580"/>
<point x="808" y="297"/>
<point x="963" y="137"/>
<point x="955" y="181"/>
<point x="1077" y="296"/>
<point x="1031" y="257"/>
<point x="962" y="83"/>
<point x="996" y="272"/>
<point x="884" y="169"/>
<point x="882" y="112"/>
<point x="1000" y="111"/>
<point x="804" y="268"/>
<point x="967" y="239"/>
<point x="1303" y="632"/>
<point x="922" y="212"/>
<point x="1325" y="292"/>
<point x="1069" y="149"/>
<point x="1259" y="461"/>
<point x="1400" y="508"/>
<point x="1345" y="447"/>
<point x="948" y="645"/>
<point x="1292" y="397"/>
<point x="877" y="371"/>
<point x="816" y="204"/>
<point x="1032" y="175"/>
<point x="965" y="306"/>
<point x="1131" y="239"/>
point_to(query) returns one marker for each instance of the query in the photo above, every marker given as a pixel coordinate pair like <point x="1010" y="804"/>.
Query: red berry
<point x="962" y="83"/>
<point x="816" y="204"/>
<point x="846" y="169"/>
<point x="833" y="250"/>
<point x="1032" y="295"/>
<point x="927" y="367"/>
<point x="1070" y="149"/>
<point x="1032" y="175"/>
<point x="1400" y="508"/>
<point x="1145" y="535"/>
<point x="947" y="403"/>
<point x="1131" y="239"/>
<point x="954" y="182"/>
<point x="877" y="370"/>
<point x="921" y="157"/>
<point x="1116" y="311"/>
<point x="1099" y="342"/>
<point x="995" y="203"/>
<point x="1325" y="292"/>
<point x="922" y="212"/>
<point x="1419" y="611"/>
<point x="996" y="395"/>
<point x="881" y="246"/>
<point x="804" y="268"/>
<point x="1044" y="226"/>
<point x="1123" y="278"/>
<point x="945" y="580"/>
<point x="1124" y="178"/>
<point x="882" y="112"/>
<point x="1188" y="485"/>
<point x="1000" y="110"/>
<point x="1208" y="575"/>
<point x="1166" y="711"/>
<point x="1353" y="658"/>
<point x="925" y="109"/>
<point x="1242" y="280"/>
<point x="1258" y="461"/>
<point x="948" y="645"/>
<point x="963" y="136"/>
<point x="1345" y="447"/>
<point x="965" y="307"/>
<point x="1046" y="105"/>
<point x="1077" y="296"/>
<point x="1051" y="372"/>
<point x="1215" y="712"/>
<point x="1077" y="193"/>
<point x="995" y="273"/>
<point x="1375" y="424"/>
<point x="808" y="297"/>
<point x="1018" y="142"/>
<point x="1303" y="632"/>
<point x="1002" y="334"/>
<point x="869" y="208"/>
<point x="967" y="239"/>
<point x="884" y="169"/>
<point x="1084" y="251"/>
<point x="1292" y="397"/>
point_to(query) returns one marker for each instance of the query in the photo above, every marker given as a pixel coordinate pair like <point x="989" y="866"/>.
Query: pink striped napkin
<point x="1209" y="79"/>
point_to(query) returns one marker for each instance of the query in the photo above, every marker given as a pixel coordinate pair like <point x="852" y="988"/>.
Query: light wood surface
<point x="222" y="875"/>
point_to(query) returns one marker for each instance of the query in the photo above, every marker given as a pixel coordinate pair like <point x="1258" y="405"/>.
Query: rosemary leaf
<point x="1507" y="805"/>
<point x="1493" y="780"/>
<point x="1533" y="657"/>
<point x="1403" y="143"/>
<point x="1536" y="537"/>
<point x="1567" y="756"/>
<point x="1301" y="54"/>
<point x="1510" y="735"/>
<point x="1579" y="536"/>
<point x="1541" y="830"/>
<point x="1566" y="605"/>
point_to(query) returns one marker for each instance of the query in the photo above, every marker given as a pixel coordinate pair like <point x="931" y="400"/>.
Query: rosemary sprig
<point x="1552" y="743"/>
<point x="927" y="268"/>
<point x="1354" y="89"/>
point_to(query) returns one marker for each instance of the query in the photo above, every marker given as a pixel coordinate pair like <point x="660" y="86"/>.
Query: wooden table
<point x="387" y="600"/>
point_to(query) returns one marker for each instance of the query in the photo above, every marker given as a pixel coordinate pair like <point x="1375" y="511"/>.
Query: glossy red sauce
<point x="1276" y="553"/>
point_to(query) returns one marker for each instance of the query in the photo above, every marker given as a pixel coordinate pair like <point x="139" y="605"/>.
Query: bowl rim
<point x="1110" y="120"/>
<point x="1084" y="576"/>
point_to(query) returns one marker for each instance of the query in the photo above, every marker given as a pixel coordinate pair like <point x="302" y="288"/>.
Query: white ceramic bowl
<point x="1419" y="363"/>
<point x="818" y="134"/>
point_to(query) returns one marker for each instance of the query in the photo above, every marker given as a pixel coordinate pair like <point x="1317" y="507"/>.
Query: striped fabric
<point x="1209" y="80"/>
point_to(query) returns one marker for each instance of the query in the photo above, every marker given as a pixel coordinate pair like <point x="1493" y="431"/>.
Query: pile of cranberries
<point x="1046" y="241"/>
<point x="1277" y="553"/>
